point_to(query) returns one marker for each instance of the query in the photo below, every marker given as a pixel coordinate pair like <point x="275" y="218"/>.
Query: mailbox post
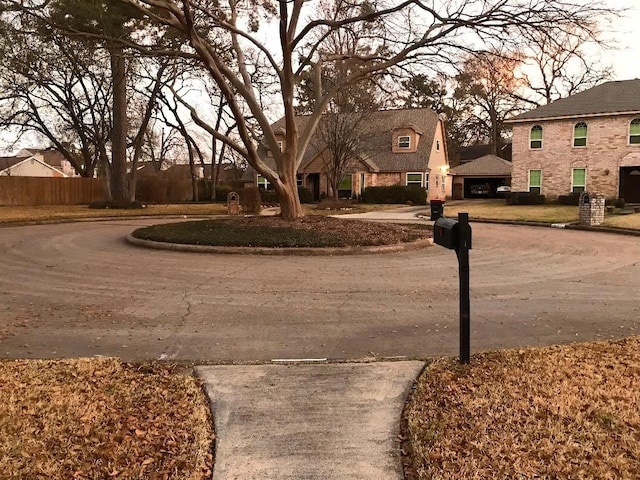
<point x="456" y="235"/>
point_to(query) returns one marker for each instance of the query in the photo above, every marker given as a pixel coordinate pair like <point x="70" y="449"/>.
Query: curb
<point x="304" y="251"/>
<point x="57" y="221"/>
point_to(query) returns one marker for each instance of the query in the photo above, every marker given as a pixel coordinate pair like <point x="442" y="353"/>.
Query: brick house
<point x="401" y="147"/>
<point x="588" y="141"/>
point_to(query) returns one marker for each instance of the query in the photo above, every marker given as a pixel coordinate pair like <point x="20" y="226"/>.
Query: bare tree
<point x="228" y="36"/>
<point x="563" y="65"/>
<point x="54" y="87"/>
<point x="489" y="89"/>
<point x="339" y="139"/>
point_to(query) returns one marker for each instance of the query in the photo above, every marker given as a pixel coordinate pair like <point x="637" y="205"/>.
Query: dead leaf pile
<point x="100" y="418"/>
<point x="563" y="412"/>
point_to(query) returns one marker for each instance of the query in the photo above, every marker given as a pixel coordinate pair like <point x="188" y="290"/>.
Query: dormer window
<point x="404" y="141"/>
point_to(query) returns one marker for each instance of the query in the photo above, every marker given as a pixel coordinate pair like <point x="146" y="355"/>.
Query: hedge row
<point x="524" y="198"/>
<point x="570" y="199"/>
<point x="395" y="194"/>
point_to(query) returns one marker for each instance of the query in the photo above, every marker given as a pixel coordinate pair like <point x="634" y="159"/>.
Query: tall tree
<point x="283" y="34"/>
<point x="488" y="87"/>
<point x="562" y="65"/>
<point x="339" y="140"/>
<point x="57" y="88"/>
<point x="111" y="23"/>
<point x="436" y="93"/>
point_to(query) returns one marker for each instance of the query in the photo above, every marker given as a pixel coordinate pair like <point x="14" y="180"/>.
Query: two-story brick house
<point x="401" y="147"/>
<point x="588" y="141"/>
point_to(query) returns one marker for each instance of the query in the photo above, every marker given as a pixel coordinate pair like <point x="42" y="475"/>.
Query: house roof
<point x="8" y="163"/>
<point x="377" y="151"/>
<point x="49" y="156"/>
<point x="489" y="166"/>
<point x="605" y="99"/>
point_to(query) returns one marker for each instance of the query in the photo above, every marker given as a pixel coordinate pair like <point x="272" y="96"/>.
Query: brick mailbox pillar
<point x="233" y="203"/>
<point x="592" y="208"/>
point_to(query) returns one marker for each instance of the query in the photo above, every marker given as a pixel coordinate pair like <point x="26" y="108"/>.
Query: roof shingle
<point x="489" y="165"/>
<point x="607" y="98"/>
<point x="377" y="150"/>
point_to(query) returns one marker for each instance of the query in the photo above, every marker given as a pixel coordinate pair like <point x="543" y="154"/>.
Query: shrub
<point x="570" y="199"/>
<point x="395" y="194"/>
<point x="524" y="198"/>
<point x="251" y="202"/>
<point x="305" y="195"/>
<point x="269" y="196"/>
<point x="615" y="202"/>
<point x="222" y="190"/>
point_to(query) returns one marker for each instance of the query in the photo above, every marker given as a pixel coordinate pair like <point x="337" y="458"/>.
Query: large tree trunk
<point x="119" y="190"/>
<point x="290" y="206"/>
<point x="286" y="187"/>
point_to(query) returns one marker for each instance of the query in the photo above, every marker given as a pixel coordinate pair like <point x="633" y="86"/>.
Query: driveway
<point x="78" y="289"/>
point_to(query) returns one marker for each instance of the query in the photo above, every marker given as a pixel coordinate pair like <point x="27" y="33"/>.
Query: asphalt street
<point x="77" y="289"/>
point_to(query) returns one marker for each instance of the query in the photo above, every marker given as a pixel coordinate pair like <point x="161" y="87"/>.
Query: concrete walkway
<point x="418" y="213"/>
<point x="308" y="422"/>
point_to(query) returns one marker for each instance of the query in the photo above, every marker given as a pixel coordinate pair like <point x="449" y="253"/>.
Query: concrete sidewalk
<point x="308" y="422"/>
<point x="418" y="214"/>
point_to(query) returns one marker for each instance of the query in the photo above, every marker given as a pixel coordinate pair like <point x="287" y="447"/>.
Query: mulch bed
<point x="310" y="231"/>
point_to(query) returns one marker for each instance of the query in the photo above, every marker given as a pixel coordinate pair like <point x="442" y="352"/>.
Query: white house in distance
<point x="33" y="162"/>
<point x="588" y="141"/>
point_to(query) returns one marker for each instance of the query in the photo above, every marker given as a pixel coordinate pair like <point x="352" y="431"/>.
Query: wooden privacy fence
<point x="16" y="191"/>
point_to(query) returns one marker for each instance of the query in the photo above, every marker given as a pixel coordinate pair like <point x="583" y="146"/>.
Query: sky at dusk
<point x="622" y="32"/>
<point x="626" y="59"/>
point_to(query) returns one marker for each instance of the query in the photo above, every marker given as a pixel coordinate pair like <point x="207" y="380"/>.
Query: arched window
<point x="536" y="137"/>
<point x="580" y="135"/>
<point x="634" y="132"/>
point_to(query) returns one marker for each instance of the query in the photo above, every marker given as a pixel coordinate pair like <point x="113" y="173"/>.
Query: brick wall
<point x="592" y="213"/>
<point x="607" y="150"/>
<point x="387" y="179"/>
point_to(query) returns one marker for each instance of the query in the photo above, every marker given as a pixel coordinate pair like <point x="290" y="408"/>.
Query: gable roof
<point x="13" y="162"/>
<point x="605" y="99"/>
<point x="377" y="150"/>
<point x="489" y="165"/>
<point x="50" y="156"/>
<point x="7" y="162"/>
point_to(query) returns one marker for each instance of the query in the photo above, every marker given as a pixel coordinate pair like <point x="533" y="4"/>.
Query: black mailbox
<point x="446" y="232"/>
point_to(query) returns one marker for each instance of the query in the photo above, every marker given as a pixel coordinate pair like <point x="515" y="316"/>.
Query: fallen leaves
<point x="99" y="418"/>
<point x="560" y="412"/>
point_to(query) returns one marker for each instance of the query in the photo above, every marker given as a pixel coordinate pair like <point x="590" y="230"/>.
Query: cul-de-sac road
<point x="77" y="289"/>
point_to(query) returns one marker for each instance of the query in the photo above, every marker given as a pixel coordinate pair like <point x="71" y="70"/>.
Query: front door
<point x="314" y="178"/>
<point x="630" y="184"/>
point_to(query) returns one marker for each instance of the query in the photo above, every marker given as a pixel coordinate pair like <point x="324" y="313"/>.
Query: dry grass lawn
<point x="498" y="210"/>
<point x="61" y="212"/>
<point x="99" y="419"/>
<point x="631" y="221"/>
<point x="564" y="412"/>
